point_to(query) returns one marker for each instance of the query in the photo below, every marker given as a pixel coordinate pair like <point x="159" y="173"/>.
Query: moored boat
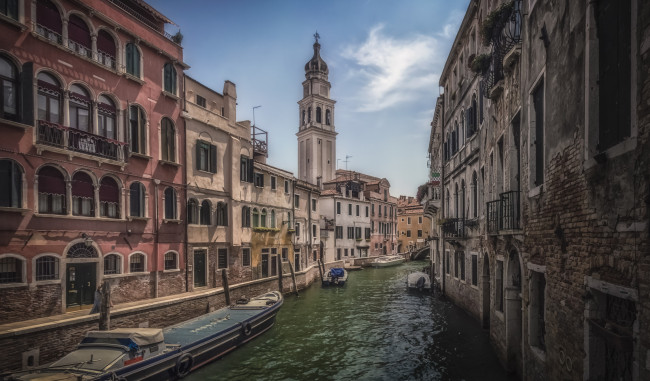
<point x="162" y="354"/>
<point x="388" y="260"/>
<point x="418" y="280"/>
<point x="336" y="276"/>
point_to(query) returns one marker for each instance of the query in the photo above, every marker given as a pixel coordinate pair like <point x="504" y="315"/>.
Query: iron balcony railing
<point x="493" y="216"/>
<point x="55" y="135"/>
<point x="504" y="213"/>
<point x="454" y="228"/>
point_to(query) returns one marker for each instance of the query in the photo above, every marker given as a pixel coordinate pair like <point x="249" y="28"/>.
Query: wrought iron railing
<point x="79" y="141"/>
<point x="105" y="59"/>
<point x="510" y="217"/>
<point x="454" y="228"/>
<point x="493" y="216"/>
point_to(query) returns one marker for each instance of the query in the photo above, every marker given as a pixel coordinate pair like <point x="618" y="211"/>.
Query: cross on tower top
<point x="316" y="36"/>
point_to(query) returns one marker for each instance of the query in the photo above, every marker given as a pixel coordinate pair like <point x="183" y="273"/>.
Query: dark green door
<point x="81" y="281"/>
<point x="199" y="268"/>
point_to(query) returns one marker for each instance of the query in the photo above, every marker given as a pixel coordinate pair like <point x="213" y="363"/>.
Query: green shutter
<point x="213" y="159"/>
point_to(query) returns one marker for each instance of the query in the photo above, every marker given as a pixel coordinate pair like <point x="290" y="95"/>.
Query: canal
<point x="370" y="329"/>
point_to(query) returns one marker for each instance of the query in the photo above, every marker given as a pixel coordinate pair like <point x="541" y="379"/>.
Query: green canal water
<point x="370" y="329"/>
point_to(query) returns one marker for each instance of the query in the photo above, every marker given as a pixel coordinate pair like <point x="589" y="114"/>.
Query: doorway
<point x="513" y="314"/>
<point x="485" y="292"/>
<point x="199" y="268"/>
<point x="81" y="282"/>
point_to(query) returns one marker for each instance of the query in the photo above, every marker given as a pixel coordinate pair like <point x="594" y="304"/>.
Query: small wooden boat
<point x="336" y="276"/>
<point x="162" y="354"/>
<point x="418" y="280"/>
<point x="388" y="260"/>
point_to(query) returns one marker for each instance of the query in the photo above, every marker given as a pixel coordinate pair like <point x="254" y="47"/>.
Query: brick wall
<point x="40" y="301"/>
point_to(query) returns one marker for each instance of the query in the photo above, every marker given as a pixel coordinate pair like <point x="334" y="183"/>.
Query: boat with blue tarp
<point x="336" y="276"/>
<point x="162" y="354"/>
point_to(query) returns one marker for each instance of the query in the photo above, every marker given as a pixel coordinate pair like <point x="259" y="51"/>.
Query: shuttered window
<point x="168" y="140"/>
<point x="206" y="157"/>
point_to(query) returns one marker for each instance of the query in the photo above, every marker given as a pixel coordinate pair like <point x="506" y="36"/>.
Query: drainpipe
<point x="184" y="176"/>
<point x="155" y="237"/>
<point x="442" y="193"/>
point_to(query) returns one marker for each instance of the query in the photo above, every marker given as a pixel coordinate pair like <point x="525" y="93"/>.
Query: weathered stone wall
<point x="41" y="300"/>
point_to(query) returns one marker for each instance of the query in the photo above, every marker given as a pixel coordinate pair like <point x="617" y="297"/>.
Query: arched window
<point x="256" y="218"/>
<point x="263" y="218"/>
<point x="456" y="201"/>
<point x="273" y="219"/>
<point x="49" y="105"/>
<point x="9" y="94"/>
<point x="136" y="194"/>
<point x="47" y="268"/>
<point x="245" y="217"/>
<point x="474" y="115"/>
<point x="137" y="263"/>
<point x="170" y="203"/>
<point x="192" y="211"/>
<point x="168" y="140"/>
<point x="462" y="199"/>
<point x="106" y="49"/>
<point x="11" y="184"/>
<point x="205" y="213"/>
<point x="109" y="198"/>
<point x="79" y="108"/>
<point x="106" y="112"/>
<point x="288" y="220"/>
<point x="303" y="117"/>
<point x="132" y="59"/>
<point x="137" y="126"/>
<point x="11" y="270"/>
<point x="318" y="115"/>
<point x="112" y="264"/>
<point x="79" y="36"/>
<point x="171" y="260"/>
<point x="51" y="191"/>
<point x="169" y="78"/>
<point x="461" y="130"/>
<point x="9" y="8"/>
<point x="308" y="114"/>
<point x="83" y="195"/>
<point x="222" y="214"/>
<point x="474" y="195"/>
<point x="48" y="21"/>
<point x="328" y="117"/>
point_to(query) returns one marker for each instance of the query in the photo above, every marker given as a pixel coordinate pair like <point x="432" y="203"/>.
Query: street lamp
<point x="88" y="241"/>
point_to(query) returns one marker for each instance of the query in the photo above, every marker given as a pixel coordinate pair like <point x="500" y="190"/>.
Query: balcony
<point x="454" y="228"/>
<point x="49" y="34"/>
<point x="80" y="49"/>
<point x="504" y="214"/>
<point x="67" y="141"/>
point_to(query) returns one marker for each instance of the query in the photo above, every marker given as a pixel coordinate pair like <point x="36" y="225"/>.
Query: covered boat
<point x="162" y="354"/>
<point x="336" y="276"/>
<point x="418" y="280"/>
<point x="388" y="260"/>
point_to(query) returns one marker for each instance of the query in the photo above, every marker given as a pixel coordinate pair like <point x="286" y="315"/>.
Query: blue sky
<point x="384" y="57"/>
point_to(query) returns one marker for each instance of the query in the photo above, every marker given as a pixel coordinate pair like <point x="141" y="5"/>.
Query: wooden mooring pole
<point x="280" y="275"/>
<point x="226" y="288"/>
<point x="105" y="308"/>
<point x="320" y="269"/>
<point x="293" y="277"/>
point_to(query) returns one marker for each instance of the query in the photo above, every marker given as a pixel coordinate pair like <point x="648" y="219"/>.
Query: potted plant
<point x="481" y="63"/>
<point x="494" y="21"/>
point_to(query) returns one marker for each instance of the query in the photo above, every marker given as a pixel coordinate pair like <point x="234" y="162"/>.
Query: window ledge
<point x="134" y="78"/>
<point x="206" y="172"/>
<point x="171" y="271"/>
<point x="534" y="192"/>
<point x="47" y="282"/>
<point x="170" y="163"/>
<point x="114" y="276"/>
<point x="172" y="221"/>
<point x="141" y="273"/>
<point x="139" y="155"/>
<point x="135" y="218"/>
<point x="22" y="211"/>
<point x="13" y="22"/>
<point x="12" y="285"/>
<point x="12" y="123"/>
<point x="88" y="218"/>
<point x="170" y="95"/>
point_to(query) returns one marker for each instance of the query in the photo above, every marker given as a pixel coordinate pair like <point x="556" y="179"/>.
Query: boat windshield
<point x="92" y="358"/>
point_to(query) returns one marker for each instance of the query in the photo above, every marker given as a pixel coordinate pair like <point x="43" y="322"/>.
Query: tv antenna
<point x="254" y="113"/>
<point x="346" y="161"/>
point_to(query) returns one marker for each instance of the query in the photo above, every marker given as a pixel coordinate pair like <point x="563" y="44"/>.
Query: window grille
<point x="11" y="270"/>
<point x="222" y="258"/>
<point x="136" y="263"/>
<point x="112" y="264"/>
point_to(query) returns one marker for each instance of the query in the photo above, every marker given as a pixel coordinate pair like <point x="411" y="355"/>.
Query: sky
<point x="384" y="56"/>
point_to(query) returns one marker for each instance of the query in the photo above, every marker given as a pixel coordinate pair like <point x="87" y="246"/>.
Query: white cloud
<point x="393" y="70"/>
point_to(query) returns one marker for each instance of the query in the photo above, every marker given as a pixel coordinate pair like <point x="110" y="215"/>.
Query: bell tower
<point x="316" y="132"/>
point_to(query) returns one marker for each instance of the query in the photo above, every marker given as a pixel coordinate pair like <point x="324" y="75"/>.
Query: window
<point x="286" y="186"/>
<point x="47" y="268"/>
<point x="170" y="204"/>
<point x="366" y="211"/>
<point x="357" y="210"/>
<point x="171" y="263"/>
<point x="168" y="140"/>
<point x="339" y="232"/>
<point x="297" y="229"/>
<point x="49" y="101"/>
<point x="308" y="114"/>
<point x="136" y="263"/>
<point x="48" y="21"/>
<point x="420" y="220"/>
<point x="537" y="310"/>
<point x="338" y="208"/>
<point x="328" y="117"/>
<point x="318" y="115"/>
<point x="200" y="100"/>
<point x="419" y="233"/>
<point x="349" y="209"/>
<point x="313" y="204"/>
<point x="256" y="218"/>
<point x="136" y="198"/>
<point x="9" y="84"/>
<point x="106" y="50"/>
<point x="246" y="169"/>
<point x="373" y="209"/>
<point x="112" y="264"/>
<point x="474" y="195"/>
<point x="246" y="257"/>
<point x="206" y="156"/>
<point x="448" y="263"/>
<point x="106" y="113"/>
<point x="499" y="287"/>
<point x="245" y="217"/>
<point x="222" y="214"/>
<point x="408" y="233"/>
<point x="461" y="263"/>
<point x="132" y="60"/>
<point x="265" y="263"/>
<point x="273" y="222"/>
<point x="274" y="261"/>
<point x="352" y="252"/>
<point x="367" y="233"/>
<point x="345" y="251"/>
<point x="9" y="8"/>
<point x="296" y="260"/>
<point x="379" y="209"/>
<point x="474" y="270"/>
<point x="273" y="181"/>
<point x="537" y="164"/>
<point x="192" y="211"/>
<point x="357" y="232"/>
<point x="79" y="36"/>
<point x="222" y="258"/>
<point x="296" y="201"/>
<point x="83" y="195"/>
<point x="285" y="254"/>
<point x="137" y="129"/>
<point x="11" y="184"/>
<point x="205" y="213"/>
<point x="350" y="232"/>
<point x="11" y="270"/>
<point x="313" y="231"/>
<point x="259" y="180"/>
<point x="263" y="218"/>
<point x="169" y="78"/>
<point x="51" y="191"/>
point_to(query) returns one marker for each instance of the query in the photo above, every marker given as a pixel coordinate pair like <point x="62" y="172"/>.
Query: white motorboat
<point x="418" y="280"/>
<point x="388" y="260"/>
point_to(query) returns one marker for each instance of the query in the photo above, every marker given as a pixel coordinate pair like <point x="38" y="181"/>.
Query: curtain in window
<point x="83" y="195"/>
<point x="9" y="91"/>
<point x="78" y="31"/>
<point x="108" y="197"/>
<point x="105" y="43"/>
<point x="169" y="74"/>
<point x="47" y="15"/>
<point x="106" y="113"/>
<point x="51" y="191"/>
<point x="132" y="60"/>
